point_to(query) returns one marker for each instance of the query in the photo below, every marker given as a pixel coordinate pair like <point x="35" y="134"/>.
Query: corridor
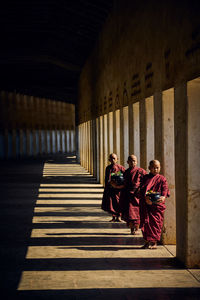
<point x="57" y="243"/>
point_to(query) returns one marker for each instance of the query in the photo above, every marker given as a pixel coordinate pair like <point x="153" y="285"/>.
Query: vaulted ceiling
<point x="45" y="43"/>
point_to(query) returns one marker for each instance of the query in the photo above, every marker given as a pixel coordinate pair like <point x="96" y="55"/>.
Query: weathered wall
<point x="145" y="70"/>
<point x="145" y="46"/>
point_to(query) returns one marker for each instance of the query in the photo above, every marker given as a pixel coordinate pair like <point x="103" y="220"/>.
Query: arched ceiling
<point x="45" y="43"/>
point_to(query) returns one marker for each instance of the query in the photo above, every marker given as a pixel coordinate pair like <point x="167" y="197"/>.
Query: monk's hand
<point x="148" y="201"/>
<point x="113" y="184"/>
<point x="161" y="199"/>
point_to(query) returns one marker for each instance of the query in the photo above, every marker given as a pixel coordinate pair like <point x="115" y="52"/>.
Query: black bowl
<point x="154" y="197"/>
<point x="119" y="180"/>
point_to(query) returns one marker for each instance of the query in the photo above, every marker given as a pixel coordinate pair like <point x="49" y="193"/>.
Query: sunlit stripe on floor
<point x="72" y="195"/>
<point x="77" y="190"/>
<point x="68" y="201"/>
<point x="59" y="280"/>
<point x="83" y="185"/>
<point x="87" y="233"/>
<point x="95" y="251"/>
<point x="67" y="175"/>
<point x="61" y="219"/>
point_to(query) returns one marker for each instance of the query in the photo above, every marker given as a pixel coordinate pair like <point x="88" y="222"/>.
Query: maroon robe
<point x="152" y="216"/>
<point x="129" y="199"/>
<point x="110" y="201"/>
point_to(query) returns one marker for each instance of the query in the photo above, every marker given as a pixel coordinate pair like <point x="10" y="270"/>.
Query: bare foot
<point x="145" y="246"/>
<point x="153" y="245"/>
<point x="113" y="220"/>
<point x="117" y="220"/>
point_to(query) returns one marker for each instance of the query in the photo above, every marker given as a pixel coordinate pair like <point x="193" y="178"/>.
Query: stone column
<point x="89" y="146"/>
<point x="97" y="150"/>
<point x="21" y="143"/>
<point x="28" y="152"/>
<point x="136" y="134"/>
<point x="130" y="129"/>
<point x="180" y="128"/>
<point x="158" y="127"/>
<point x="149" y="108"/>
<point x="121" y="157"/>
<point x="92" y="137"/>
<point x="143" y="135"/>
<point x="56" y="140"/>
<point x="114" y="133"/>
<point x="84" y="145"/>
<point x="63" y="141"/>
<point x="110" y="133"/>
<point x="40" y="138"/>
<point x="101" y="165"/>
<point x="193" y="184"/>
<point x="69" y="140"/>
<point x="45" y="133"/>
<point x="14" y="143"/>
<point x="168" y="164"/>
<point x="50" y="141"/>
<point x="105" y="141"/>
<point x="79" y="142"/>
<point x="125" y="136"/>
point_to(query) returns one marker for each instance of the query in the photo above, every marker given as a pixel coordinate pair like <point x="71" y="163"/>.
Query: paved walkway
<point x="56" y="242"/>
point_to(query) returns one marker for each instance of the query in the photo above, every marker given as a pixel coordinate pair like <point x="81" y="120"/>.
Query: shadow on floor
<point x="112" y="294"/>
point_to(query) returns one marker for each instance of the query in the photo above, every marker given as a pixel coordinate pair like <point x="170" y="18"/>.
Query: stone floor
<point x="56" y="242"/>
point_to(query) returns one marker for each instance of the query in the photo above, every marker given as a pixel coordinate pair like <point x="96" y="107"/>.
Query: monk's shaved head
<point x="132" y="157"/>
<point x="154" y="162"/>
<point x="113" y="155"/>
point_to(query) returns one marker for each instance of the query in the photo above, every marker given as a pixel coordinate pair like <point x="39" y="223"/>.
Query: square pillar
<point x="101" y="155"/>
<point x="97" y="150"/>
<point x="121" y="128"/>
<point x="125" y="136"/>
<point x="130" y="129"/>
<point x="110" y="133"/>
<point x="149" y="108"/>
<point x="180" y="137"/>
<point x="143" y="135"/>
<point x="136" y="133"/>
<point x="158" y="126"/>
<point x="168" y="164"/>
<point x="193" y="184"/>
<point x="105" y="141"/>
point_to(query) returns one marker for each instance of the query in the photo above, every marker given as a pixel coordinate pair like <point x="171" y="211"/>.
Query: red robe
<point x="152" y="216"/>
<point x="129" y="200"/>
<point x="110" y="201"/>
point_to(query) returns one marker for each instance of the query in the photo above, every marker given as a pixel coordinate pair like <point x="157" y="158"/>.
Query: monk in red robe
<point x="110" y="201"/>
<point x="152" y="213"/>
<point x="129" y="199"/>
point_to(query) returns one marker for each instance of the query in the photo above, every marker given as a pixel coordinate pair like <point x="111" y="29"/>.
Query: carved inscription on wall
<point x="193" y="52"/>
<point x="167" y="63"/>
<point x="135" y="85"/>
<point x="125" y="96"/>
<point x="117" y="100"/>
<point x="105" y="105"/>
<point x="110" y="102"/>
<point x="148" y="76"/>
